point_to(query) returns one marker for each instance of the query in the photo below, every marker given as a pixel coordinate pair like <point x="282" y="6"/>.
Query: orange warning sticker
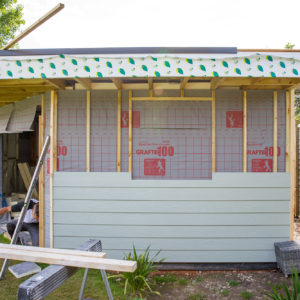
<point x="234" y="119"/>
<point x="262" y="165"/>
<point x="136" y="119"/>
<point x="155" y="167"/>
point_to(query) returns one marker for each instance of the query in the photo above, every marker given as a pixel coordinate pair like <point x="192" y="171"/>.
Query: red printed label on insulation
<point x="155" y="167"/>
<point x="262" y="165"/>
<point x="234" y="119"/>
<point x="136" y="119"/>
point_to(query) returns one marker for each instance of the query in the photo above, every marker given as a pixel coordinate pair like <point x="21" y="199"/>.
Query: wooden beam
<point x="42" y="175"/>
<point x="183" y="82"/>
<point x="275" y="130"/>
<point x="287" y="130"/>
<point x="263" y="87"/>
<point x="35" y="25"/>
<point x="293" y="166"/>
<point x="172" y="99"/>
<point x="117" y="82"/>
<point x="119" y="133"/>
<point x="150" y="83"/>
<point x="60" y="84"/>
<point x="213" y="134"/>
<point x="88" y="130"/>
<point x="85" y="82"/>
<point x="130" y="132"/>
<point x="53" y="154"/>
<point x="215" y="82"/>
<point x="244" y="131"/>
<point x="69" y="258"/>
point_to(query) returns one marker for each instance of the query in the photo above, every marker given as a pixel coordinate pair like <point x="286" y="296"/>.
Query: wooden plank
<point x="293" y="167"/>
<point x="88" y="130"/>
<point x="60" y="84"/>
<point x="85" y="82"/>
<point x="24" y="175"/>
<point x="26" y="170"/>
<point x="69" y="259"/>
<point x="213" y="134"/>
<point x="150" y="83"/>
<point x="171" y="98"/>
<point x="119" y="132"/>
<point x="42" y="175"/>
<point x="54" y="251"/>
<point x="117" y="82"/>
<point x="154" y="219"/>
<point x="179" y="193"/>
<point x="35" y="25"/>
<point x="287" y="130"/>
<point x="130" y="131"/>
<point x="215" y="82"/>
<point x="275" y="131"/>
<point x="219" y="179"/>
<point x="53" y="155"/>
<point x="244" y="131"/>
<point x="183" y="82"/>
<point x="108" y="231"/>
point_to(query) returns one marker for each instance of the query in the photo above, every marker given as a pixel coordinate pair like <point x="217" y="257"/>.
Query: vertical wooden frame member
<point x="244" y="131"/>
<point x="130" y="132"/>
<point x="119" y="133"/>
<point x="88" y="130"/>
<point x="293" y="166"/>
<point x="275" y="130"/>
<point x="53" y="154"/>
<point x="42" y="175"/>
<point x="213" y="134"/>
<point x="287" y="130"/>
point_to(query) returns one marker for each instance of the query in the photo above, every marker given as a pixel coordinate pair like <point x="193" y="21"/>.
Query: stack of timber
<point x="72" y="258"/>
<point x="26" y="176"/>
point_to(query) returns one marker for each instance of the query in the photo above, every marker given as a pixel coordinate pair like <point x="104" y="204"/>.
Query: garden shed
<point x="189" y="150"/>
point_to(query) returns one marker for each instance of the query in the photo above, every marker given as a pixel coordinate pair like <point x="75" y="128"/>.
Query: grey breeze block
<point x="288" y="256"/>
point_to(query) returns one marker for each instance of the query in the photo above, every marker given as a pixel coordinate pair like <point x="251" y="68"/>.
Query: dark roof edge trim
<point x="122" y="50"/>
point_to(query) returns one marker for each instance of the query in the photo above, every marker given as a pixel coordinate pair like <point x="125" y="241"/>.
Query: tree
<point x="289" y="46"/>
<point x="11" y="18"/>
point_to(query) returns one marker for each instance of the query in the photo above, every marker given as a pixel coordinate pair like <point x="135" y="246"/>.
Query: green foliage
<point x="169" y="278"/>
<point x="297" y="104"/>
<point x="199" y="279"/>
<point x="182" y="281"/>
<point x="196" y="296"/>
<point x="289" y="46"/>
<point x="10" y="20"/>
<point x="224" y="293"/>
<point x="233" y="283"/>
<point x="292" y="294"/>
<point x="4" y="240"/>
<point x="246" y="295"/>
<point x="137" y="281"/>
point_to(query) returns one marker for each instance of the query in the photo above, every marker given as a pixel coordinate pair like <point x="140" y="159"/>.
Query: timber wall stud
<point x="88" y="130"/>
<point x="213" y="135"/>
<point x="275" y="129"/>
<point x="119" y="133"/>
<point x="244" y="131"/>
<point x="130" y="132"/>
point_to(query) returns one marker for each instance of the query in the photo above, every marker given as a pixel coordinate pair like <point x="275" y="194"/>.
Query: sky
<point x="159" y="23"/>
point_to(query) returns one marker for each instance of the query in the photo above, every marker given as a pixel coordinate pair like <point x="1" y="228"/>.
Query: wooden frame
<point x="88" y="130"/>
<point x="275" y="130"/>
<point x="244" y="131"/>
<point x="119" y="133"/>
<point x="130" y="99"/>
<point x="172" y="98"/>
<point x="42" y="176"/>
<point x="287" y="130"/>
<point x="213" y="133"/>
<point x="53" y="154"/>
<point x="293" y="166"/>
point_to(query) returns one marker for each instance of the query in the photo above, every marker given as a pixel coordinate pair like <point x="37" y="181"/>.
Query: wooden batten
<point x="244" y="131"/>
<point x="42" y="175"/>
<point x="293" y="160"/>
<point x="213" y="135"/>
<point x="275" y="130"/>
<point x="88" y="130"/>
<point x="172" y="98"/>
<point x="130" y="132"/>
<point x="53" y="154"/>
<point x="119" y="132"/>
<point x="287" y="130"/>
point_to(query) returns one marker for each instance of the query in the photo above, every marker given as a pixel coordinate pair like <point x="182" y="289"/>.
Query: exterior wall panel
<point x="235" y="217"/>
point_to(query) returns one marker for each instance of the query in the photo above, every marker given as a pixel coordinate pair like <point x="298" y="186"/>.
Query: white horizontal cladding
<point x="66" y="66"/>
<point x="234" y="217"/>
<point x="219" y="180"/>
